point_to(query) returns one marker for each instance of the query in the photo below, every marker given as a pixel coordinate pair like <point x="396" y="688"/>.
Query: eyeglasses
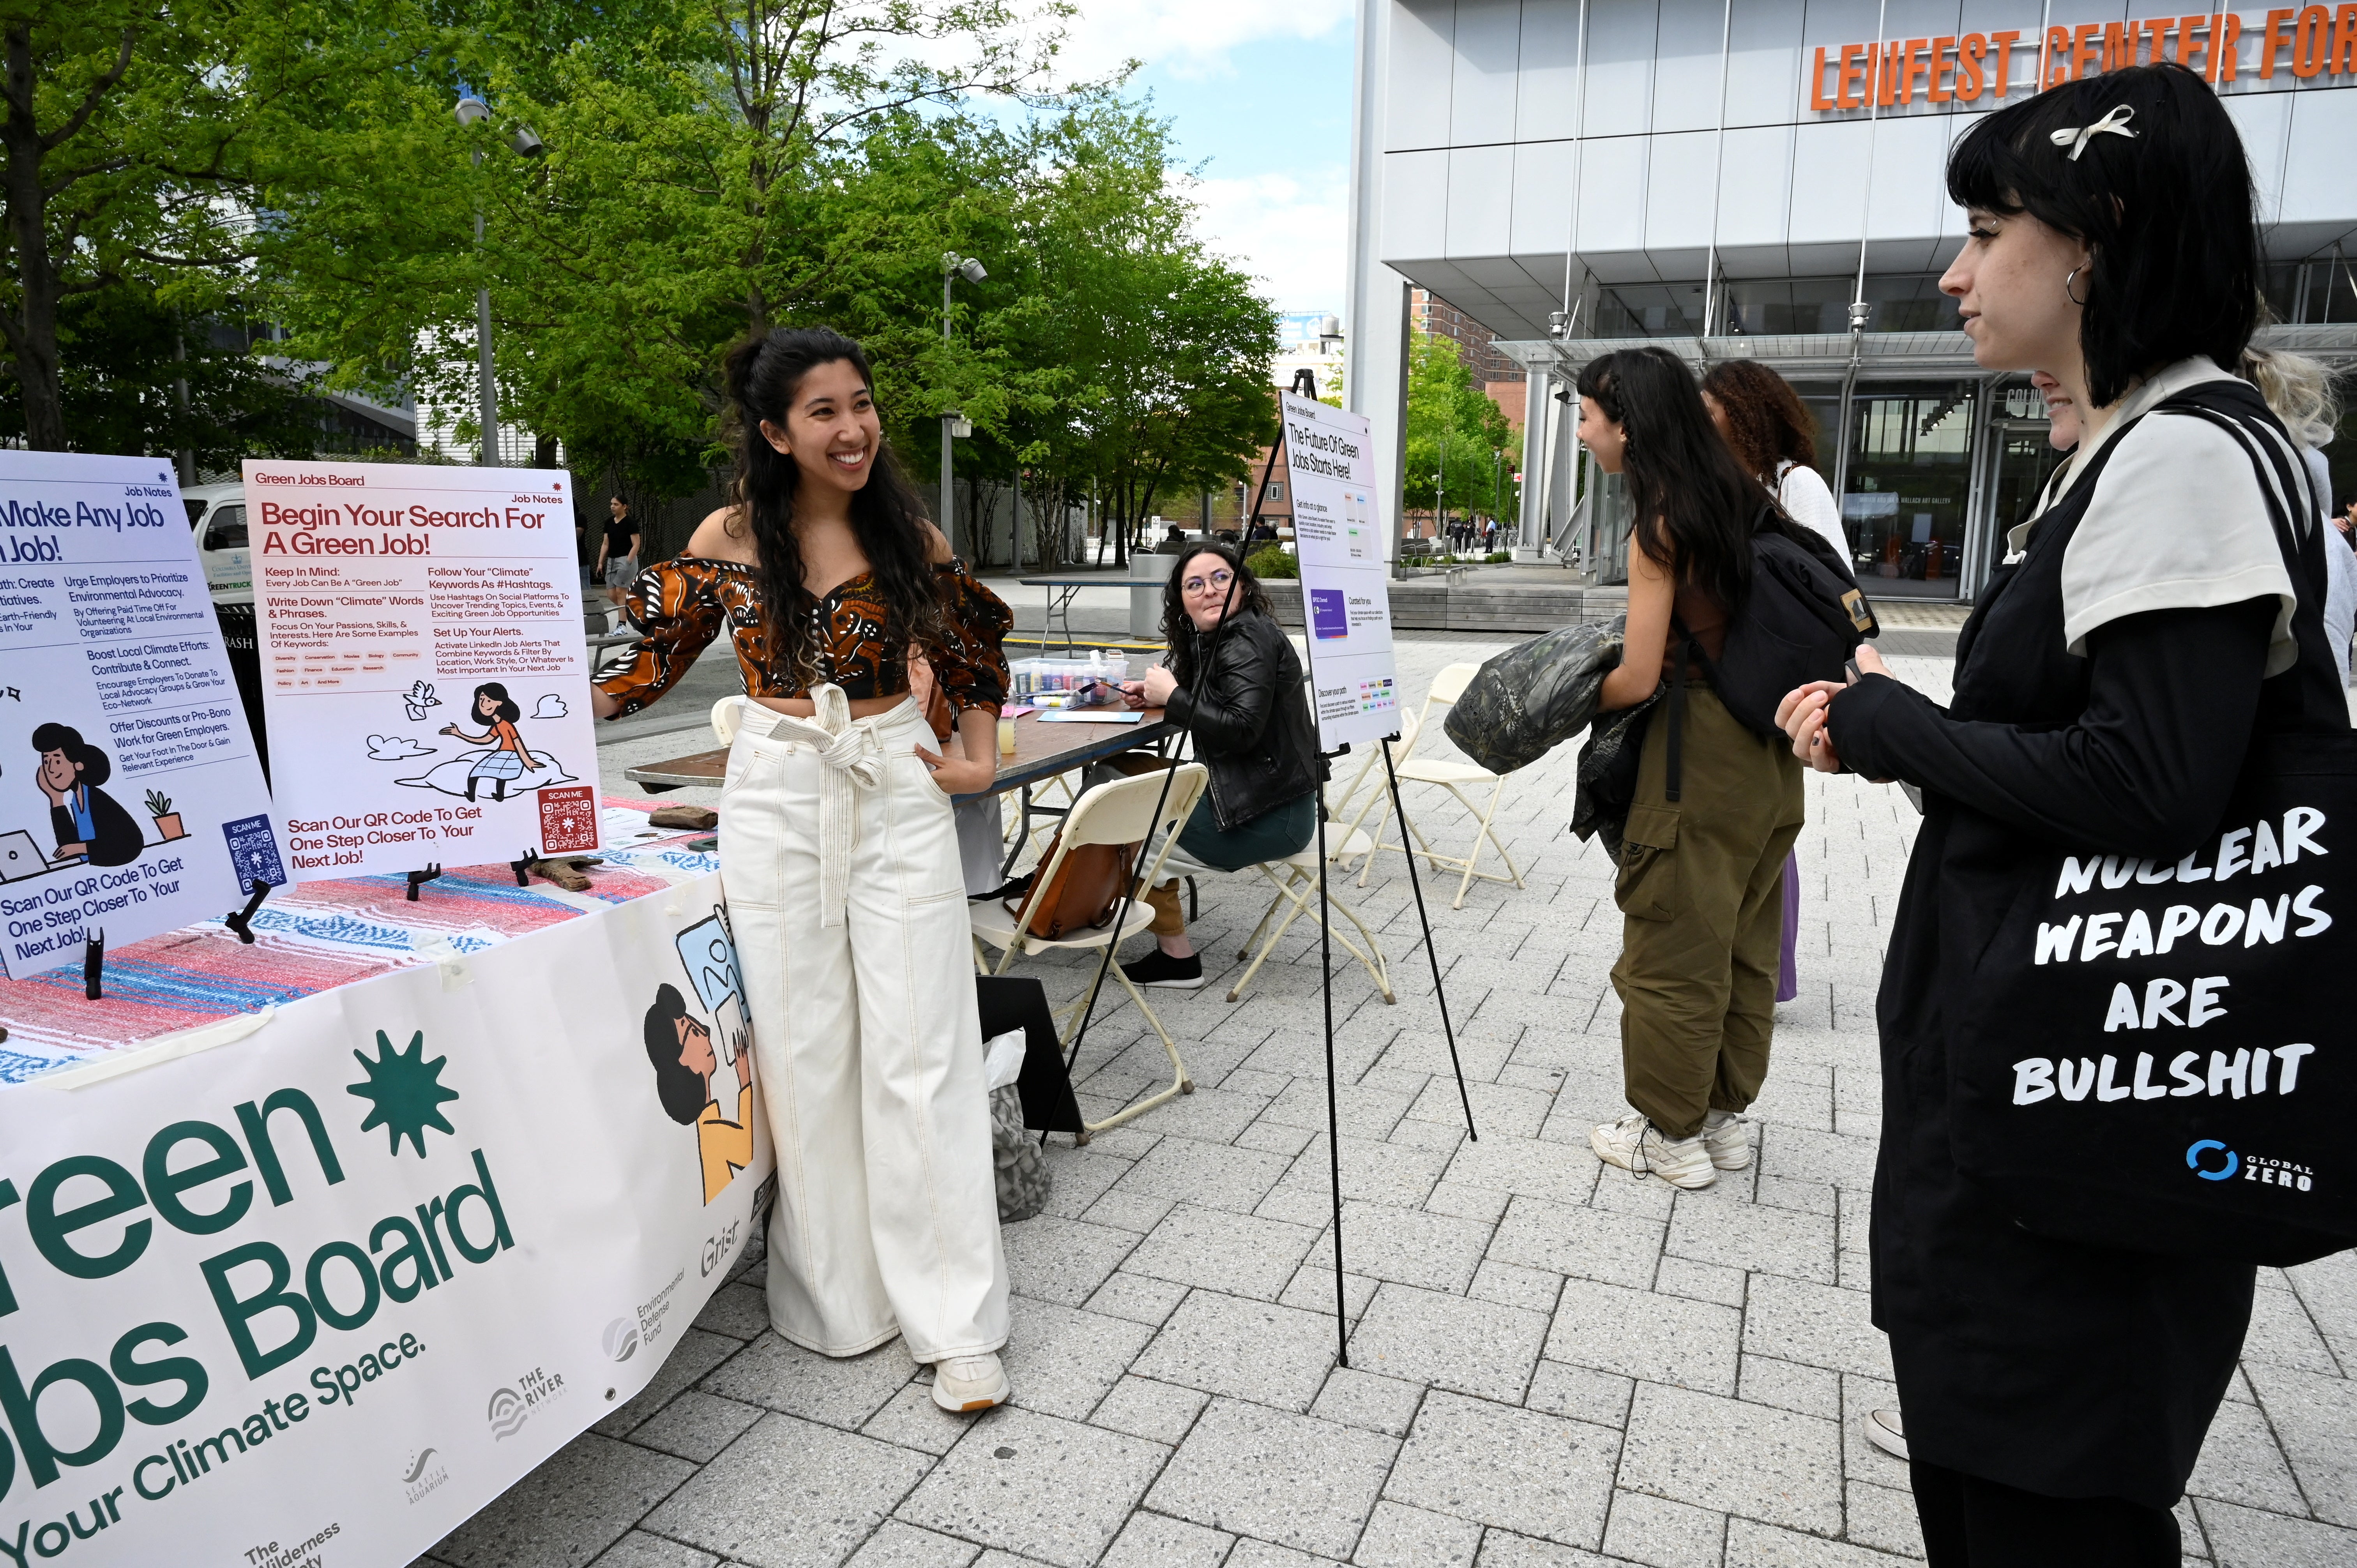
<point x="1216" y="582"/>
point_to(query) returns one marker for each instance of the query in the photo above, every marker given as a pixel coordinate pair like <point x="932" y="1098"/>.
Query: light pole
<point x="954" y="423"/>
<point x="472" y="110"/>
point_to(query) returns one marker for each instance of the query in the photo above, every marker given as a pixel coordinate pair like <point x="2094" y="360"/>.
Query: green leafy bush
<point x="1269" y="563"/>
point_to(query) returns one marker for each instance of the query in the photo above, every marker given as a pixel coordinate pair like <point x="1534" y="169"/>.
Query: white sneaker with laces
<point x="1728" y="1138"/>
<point x="1635" y="1145"/>
<point x="1887" y="1432"/>
<point x="969" y="1382"/>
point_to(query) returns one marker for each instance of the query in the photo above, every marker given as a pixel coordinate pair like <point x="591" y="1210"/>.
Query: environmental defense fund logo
<point x="621" y="1339"/>
<point x="2213" y="1161"/>
<point x="510" y="1408"/>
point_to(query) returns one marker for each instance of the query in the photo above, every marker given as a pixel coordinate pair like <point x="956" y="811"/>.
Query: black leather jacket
<point x="1252" y="725"/>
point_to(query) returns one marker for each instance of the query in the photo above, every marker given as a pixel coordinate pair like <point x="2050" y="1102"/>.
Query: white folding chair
<point x="1455" y="778"/>
<point x="1294" y="879"/>
<point x="1119" y="812"/>
<point x="727" y="715"/>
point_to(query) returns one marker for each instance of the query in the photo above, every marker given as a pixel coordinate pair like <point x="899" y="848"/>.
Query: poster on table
<point x="320" y="1292"/>
<point x="131" y="799"/>
<point x="425" y="674"/>
<point x="1346" y="607"/>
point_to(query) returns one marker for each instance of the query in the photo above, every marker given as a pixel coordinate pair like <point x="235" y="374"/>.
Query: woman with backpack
<point x="2145" y="624"/>
<point x="1702" y="862"/>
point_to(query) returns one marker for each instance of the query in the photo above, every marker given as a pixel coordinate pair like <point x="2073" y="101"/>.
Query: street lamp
<point x="954" y="423"/>
<point x="472" y="111"/>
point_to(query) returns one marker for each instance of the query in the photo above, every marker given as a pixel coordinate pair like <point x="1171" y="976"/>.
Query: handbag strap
<point x="1686" y="645"/>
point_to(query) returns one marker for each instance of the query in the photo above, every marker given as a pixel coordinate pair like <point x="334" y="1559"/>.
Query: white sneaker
<point x="1636" y="1145"/>
<point x="1728" y="1138"/>
<point x="1886" y="1431"/>
<point x="969" y="1382"/>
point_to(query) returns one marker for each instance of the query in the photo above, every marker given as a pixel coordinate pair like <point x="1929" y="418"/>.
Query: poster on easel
<point x="1346" y="608"/>
<point x="425" y="669"/>
<point x="131" y="801"/>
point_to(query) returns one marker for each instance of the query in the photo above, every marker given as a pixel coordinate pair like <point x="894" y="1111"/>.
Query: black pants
<point x="1972" y="1523"/>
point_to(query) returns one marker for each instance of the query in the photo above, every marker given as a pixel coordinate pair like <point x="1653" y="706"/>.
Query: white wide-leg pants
<point x="840" y="857"/>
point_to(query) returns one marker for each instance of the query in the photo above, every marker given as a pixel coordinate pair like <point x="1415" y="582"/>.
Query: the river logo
<point x="621" y="1339"/>
<point x="424" y="1475"/>
<point x="507" y="1412"/>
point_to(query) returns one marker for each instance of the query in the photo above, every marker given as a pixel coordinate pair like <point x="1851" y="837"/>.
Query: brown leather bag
<point x="1086" y="891"/>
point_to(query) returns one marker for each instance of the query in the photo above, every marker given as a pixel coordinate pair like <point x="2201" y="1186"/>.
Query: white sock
<point x="1719" y="1119"/>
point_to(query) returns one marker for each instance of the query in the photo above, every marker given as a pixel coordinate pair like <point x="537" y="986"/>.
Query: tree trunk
<point x="33" y="335"/>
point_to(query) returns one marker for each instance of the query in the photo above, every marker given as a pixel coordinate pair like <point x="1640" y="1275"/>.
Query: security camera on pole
<point x="954" y="426"/>
<point x="471" y="111"/>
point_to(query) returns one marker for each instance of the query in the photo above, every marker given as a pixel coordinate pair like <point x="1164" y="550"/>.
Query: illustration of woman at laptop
<point x="508" y="757"/>
<point x="89" y="824"/>
<point x="686" y="1064"/>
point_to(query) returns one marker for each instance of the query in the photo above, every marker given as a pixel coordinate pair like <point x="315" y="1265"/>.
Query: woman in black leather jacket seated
<point x="1251" y="729"/>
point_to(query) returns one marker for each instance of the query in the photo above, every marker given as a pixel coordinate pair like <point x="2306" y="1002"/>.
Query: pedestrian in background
<point x="1764" y="421"/>
<point x="617" y="550"/>
<point x="1702" y="854"/>
<point x="2056" y="1393"/>
<point x="2300" y="390"/>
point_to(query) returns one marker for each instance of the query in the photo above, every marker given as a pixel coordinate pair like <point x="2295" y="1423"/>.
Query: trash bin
<point x="1146" y="603"/>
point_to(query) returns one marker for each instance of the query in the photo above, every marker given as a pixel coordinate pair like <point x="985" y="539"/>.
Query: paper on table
<point x="1089" y="716"/>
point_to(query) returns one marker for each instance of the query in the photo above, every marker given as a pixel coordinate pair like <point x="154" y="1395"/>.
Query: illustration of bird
<point x="418" y="699"/>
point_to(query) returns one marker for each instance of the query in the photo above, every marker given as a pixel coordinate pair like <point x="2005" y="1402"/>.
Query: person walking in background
<point x="2056" y="1393"/>
<point x="617" y="550"/>
<point x="1760" y="415"/>
<point x="1702" y="856"/>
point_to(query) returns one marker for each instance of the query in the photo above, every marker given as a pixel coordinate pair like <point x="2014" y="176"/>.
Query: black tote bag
<point x="2162" y="1057"/>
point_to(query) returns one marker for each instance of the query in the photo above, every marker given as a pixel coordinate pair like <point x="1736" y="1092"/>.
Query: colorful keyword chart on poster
<point x="131" y="801"/>
<point x="425" y="673"/>
<point x="1338" y="536"/>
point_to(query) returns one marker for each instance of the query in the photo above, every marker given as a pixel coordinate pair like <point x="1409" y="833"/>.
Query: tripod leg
<point x="1439" y="992"/>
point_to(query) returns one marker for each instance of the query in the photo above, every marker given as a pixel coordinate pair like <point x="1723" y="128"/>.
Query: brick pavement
<point x="1552" y="1365"/>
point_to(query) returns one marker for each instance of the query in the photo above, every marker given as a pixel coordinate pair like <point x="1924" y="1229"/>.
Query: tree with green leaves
<point x="1455" y="434"/>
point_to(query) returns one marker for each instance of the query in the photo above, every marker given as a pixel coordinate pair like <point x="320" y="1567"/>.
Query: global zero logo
<point x="2213" y="1161"/>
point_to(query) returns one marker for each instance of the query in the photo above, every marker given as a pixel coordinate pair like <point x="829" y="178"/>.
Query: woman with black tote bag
<point x="2159" y="618"/>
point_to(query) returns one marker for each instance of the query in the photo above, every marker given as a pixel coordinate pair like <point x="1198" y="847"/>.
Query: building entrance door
<point x="1909" y="480"/>
<point x="2021" y="460"/>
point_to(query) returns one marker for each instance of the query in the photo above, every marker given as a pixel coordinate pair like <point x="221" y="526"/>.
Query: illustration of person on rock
<point x="508" y="756"/>
<point x="686" y="1064"/>
<point x="89" y="824"/>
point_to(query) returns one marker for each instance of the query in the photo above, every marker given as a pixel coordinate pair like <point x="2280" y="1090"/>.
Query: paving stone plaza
<point x="1552" y="1365"/>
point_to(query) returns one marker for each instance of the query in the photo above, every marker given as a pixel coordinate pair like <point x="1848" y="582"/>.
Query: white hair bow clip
<point x="2114" y="124"/>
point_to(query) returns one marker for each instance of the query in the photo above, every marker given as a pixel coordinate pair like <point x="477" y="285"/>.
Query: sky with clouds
<point x="1259" y="95"/>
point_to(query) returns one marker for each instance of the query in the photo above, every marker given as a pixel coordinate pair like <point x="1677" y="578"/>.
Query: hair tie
<point x="2114" y="122"/>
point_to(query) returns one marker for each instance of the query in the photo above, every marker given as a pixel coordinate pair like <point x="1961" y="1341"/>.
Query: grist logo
<point x="621" y="1339"/>
<point x="2213" y="1161"/>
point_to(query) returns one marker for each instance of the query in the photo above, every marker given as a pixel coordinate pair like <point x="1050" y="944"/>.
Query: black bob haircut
<point x="681" y="1091"/>
<point x="498" y="692"/>
<point x="2169" y="214"/>
<point x="95" y="768"/>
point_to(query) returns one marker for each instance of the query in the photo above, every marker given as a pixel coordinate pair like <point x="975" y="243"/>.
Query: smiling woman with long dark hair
<point x="840" y="859"/>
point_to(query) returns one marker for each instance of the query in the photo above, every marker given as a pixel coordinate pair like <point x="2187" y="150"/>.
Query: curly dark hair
<point x="678" y="1087"/>
<point x="886" y="517"/>
<point x="1179" y="627"/>
<point x="95" y="767"/>
<point x="1767" y="422"/>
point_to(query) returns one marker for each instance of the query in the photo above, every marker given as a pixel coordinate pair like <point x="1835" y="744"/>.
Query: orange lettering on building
<point x="2344" y="40"/>
<point x="2273" y="39"/>
<point x="1969" y="55"/>
<point x="2226" y="41"/>
<point x="1817" y="98"/>
<point x="1934" y="90"/>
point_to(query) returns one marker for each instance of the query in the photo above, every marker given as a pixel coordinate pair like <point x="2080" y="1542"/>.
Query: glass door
<point x="1910" y="479"/>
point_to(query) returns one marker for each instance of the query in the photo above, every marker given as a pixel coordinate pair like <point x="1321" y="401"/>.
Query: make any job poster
<point x="131" y="799"/>
<point x="425" y="673"/>
<point x="1345" y="583"/>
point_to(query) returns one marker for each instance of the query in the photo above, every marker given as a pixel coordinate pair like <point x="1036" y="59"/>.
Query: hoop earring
<point x="2067" y="279"/>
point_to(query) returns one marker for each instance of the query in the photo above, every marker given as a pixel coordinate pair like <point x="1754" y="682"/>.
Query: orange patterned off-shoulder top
<point x="680" y="605"/>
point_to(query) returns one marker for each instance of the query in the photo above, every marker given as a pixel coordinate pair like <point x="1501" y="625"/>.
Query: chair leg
<point x="1194" y="910"/>
<point x="1245" y="952"/>
<point x="1180" y="1082"/>
<point x="1284" y="893"/>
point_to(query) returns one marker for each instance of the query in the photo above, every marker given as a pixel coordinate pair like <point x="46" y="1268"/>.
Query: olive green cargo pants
<point x="1701" y="885"/>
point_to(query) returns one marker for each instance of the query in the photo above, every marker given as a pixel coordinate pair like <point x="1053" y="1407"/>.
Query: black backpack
<point x="1801" y="621"/>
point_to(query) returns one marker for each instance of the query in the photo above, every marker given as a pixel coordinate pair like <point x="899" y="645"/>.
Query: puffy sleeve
<point x="972" y="666"/>
<point x="678" y="612"/>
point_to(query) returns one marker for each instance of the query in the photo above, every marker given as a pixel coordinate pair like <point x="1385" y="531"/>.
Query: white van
<point x="217" y="512"/>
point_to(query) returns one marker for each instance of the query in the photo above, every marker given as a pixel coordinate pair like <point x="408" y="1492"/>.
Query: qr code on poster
<point x="253" y="853"/>
<point x="568" y="820"/>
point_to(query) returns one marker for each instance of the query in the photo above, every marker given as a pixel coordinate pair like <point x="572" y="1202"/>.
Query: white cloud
<point x="550" y="707"/>
<point x="1190" y="38"/>
<point x="1288" y="230"/>
<point x="396" y="749"/>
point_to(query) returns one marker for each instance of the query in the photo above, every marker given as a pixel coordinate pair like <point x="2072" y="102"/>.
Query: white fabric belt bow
<point x="854" y="760"/>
